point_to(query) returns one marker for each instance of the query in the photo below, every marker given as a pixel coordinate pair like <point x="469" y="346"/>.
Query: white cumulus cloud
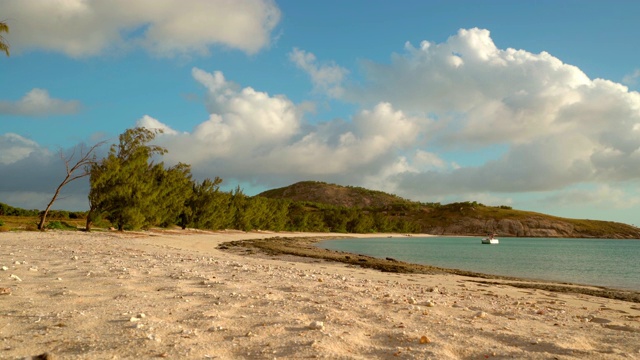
<point x="37" y="102"/>
<point x="151" y="123"/>
<point x="251" y="135"/>
<point x="326" y="78"/>
<point x="556" y="126"/>
<point x="82" y="28"/>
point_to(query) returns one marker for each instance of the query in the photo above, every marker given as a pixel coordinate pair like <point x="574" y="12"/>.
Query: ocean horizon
<point x="597" y="262"/>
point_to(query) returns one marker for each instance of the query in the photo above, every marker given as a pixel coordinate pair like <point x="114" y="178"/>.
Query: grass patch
<point x="30" y="223"/>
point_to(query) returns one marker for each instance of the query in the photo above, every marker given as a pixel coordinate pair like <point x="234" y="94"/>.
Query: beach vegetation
<point x="206" y="206"/>
<point x="132" y="191"/>
<point x="8" y="210"/>
<point x="60" y="225"/>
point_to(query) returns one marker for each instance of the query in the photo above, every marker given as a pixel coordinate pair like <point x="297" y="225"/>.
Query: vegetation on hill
<point x="471" y="218"/>
<point x="331" y="194"/>
<point x="462" y="218"/>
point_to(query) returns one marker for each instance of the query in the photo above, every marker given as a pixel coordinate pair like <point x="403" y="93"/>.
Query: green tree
<point x="122" y="186"/>
<point x="336" y="219"/>
<point x="240" y="207"/>
<point x="4" y="45"/>
<point x="207" y="207"/>
<point x="172" y="189"/>
<point x="298" y="217"/>
<point x="278" y="214"/>
<point x="382" y="222"/>
<point x="362" y="223"/>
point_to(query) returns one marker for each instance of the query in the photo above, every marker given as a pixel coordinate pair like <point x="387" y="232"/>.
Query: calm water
<point x="610" y="263"/>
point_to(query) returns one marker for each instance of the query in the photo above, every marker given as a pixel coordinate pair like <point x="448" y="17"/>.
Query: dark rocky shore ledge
<point x="304" y="247"/>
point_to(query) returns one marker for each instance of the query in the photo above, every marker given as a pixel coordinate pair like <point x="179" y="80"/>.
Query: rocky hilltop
<point x="465" y="218"/>
<point x="537" y="226"/>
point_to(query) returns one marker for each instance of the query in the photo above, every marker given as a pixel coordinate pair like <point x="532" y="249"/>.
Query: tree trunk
<point x="43" y="218"/>
<point x="89" y="221"/>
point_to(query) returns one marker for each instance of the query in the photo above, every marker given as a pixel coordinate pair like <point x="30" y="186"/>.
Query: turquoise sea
<point x="600" y="262"/>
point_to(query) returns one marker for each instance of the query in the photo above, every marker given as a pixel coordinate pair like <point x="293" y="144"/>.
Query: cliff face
<point x="529" y="227"/>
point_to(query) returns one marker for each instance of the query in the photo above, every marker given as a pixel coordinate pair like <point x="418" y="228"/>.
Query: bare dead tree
<point x="87" y="157"/>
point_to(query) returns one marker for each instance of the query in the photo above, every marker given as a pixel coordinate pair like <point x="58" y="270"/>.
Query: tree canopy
<point x="128" y="189"/>
<point x="4" y="45"/>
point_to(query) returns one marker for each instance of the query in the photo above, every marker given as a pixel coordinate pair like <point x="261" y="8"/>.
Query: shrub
<point x="31" y="227"/>
<point x="1" y="223"/>
<point x="60" y="225"/>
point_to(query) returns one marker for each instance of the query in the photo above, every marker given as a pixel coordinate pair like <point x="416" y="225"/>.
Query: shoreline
<point x="521" y="278"/>
<point x="76" y="295"/>
<point x="303" y="247"/>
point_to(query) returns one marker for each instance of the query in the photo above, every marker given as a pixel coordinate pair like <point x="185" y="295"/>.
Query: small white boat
<point x="491" y="241"/>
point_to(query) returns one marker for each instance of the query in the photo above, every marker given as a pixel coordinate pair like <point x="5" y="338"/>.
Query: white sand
<point x="113" y="296"/>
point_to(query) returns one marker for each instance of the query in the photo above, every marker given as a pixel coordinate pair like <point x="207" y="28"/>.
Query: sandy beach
<point x="75" y="295"/>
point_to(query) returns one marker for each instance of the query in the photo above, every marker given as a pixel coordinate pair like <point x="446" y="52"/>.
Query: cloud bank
<point x="537" y="124"/>
<point x="84" y="28"/>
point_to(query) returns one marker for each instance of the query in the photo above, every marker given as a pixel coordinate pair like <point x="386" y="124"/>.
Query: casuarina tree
<point x="124" y="185"/>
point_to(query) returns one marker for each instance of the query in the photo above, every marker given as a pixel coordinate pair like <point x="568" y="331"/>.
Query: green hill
<point x="331" y="194"/>
<point x="465" y="218"/>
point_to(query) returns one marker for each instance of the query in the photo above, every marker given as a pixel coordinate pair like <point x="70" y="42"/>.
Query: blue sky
<point x="529" y="104"/>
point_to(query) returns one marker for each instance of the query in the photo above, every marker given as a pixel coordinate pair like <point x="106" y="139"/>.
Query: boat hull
<point x="490" y="241"/>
